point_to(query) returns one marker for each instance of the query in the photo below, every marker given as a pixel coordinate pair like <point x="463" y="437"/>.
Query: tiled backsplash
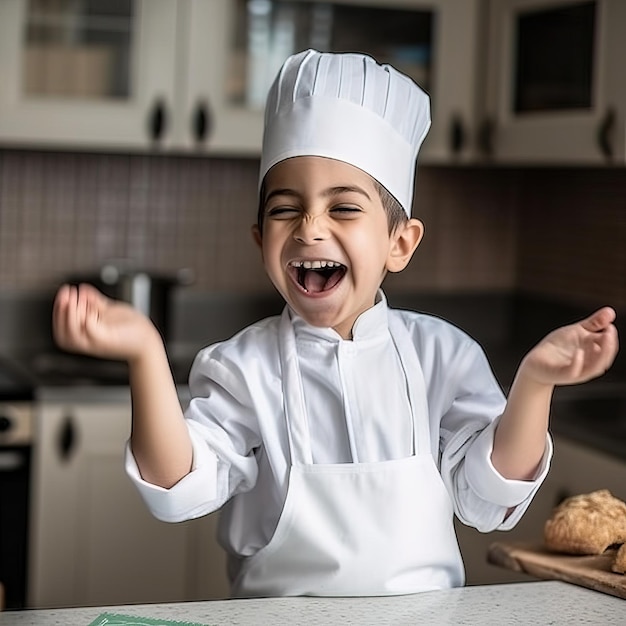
<point x="67" y="213"/>
<point x="572" y="235"/>
<point x="560" y="233"/>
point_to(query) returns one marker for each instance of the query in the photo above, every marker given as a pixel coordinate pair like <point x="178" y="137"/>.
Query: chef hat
<point x="350" y="108"/>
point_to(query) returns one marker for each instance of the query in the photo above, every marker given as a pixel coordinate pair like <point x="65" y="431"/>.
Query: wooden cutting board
<point x="593" y="572"/>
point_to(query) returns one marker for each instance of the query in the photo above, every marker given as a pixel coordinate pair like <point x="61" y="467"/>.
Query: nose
<point x="310" y="230"/>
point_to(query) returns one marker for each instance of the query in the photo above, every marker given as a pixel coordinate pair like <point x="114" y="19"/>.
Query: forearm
<point x="159" y="439"/>
<point x="519" y="441"/>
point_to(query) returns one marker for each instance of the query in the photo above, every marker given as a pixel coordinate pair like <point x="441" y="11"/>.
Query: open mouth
<point x="317" y="276"/>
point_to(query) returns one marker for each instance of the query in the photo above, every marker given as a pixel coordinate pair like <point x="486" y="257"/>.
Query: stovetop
<point x="57" y="368"/>
<point x="15" y="384"/>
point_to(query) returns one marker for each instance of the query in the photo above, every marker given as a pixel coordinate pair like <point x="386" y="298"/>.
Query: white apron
<point x="357" y="529"/>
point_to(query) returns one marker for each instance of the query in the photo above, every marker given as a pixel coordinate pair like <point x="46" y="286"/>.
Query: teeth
<point x="315" y="265"/>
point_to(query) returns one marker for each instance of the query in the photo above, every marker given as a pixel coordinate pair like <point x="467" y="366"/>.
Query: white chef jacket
<point x="358" y="411"/>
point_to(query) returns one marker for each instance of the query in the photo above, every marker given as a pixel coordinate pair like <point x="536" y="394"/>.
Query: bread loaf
<point x="587" y="524"/>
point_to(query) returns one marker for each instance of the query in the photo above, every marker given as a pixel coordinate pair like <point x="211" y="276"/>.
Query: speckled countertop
<point x="545" y="602"/>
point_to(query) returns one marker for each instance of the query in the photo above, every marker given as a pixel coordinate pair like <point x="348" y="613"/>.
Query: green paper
<point x="115" y="619"/>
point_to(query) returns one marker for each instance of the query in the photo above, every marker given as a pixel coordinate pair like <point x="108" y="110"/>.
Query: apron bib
<point x="357" y="529"/>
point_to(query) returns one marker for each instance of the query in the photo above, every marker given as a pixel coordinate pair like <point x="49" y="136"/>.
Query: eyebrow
<point x="331" y="191"/>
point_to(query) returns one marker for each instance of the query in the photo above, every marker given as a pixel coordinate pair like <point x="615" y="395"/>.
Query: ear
<point x="256" y="235"/>
<point x="404" y="242"/>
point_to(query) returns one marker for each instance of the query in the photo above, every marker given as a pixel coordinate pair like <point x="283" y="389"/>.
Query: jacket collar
<point x="371" y="324"/>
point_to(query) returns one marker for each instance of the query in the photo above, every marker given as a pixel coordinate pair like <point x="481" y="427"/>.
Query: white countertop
<point x="519" y="603"/>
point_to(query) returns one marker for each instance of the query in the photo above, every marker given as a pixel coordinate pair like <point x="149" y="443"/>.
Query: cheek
<point x="369" y="247"/>
<point x="271" y="254"/>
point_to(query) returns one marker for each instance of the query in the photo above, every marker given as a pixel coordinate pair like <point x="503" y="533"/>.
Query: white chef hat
<point x="350" y="108"/>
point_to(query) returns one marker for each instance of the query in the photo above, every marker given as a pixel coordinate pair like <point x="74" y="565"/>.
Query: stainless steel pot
<point x="149" y="292"/>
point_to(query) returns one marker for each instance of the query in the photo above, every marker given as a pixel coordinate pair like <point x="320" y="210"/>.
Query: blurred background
<point x="130" y="134"/>
<point x="131" y="130"/>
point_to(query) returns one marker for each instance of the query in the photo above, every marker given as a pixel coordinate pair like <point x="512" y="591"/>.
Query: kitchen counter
<point x="541" y="602"/>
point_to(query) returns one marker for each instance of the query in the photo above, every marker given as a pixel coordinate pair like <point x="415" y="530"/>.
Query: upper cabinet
<point x="191" y="75"/>
<point x="86" y="73"/>
<point x="556" y="92"/>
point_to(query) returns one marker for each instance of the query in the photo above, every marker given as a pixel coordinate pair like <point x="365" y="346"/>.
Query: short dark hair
<point x="396" y="215"/>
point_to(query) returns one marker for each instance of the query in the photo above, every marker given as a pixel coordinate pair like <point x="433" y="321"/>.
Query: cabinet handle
<point x="157" y="121"/>
<point x="486" y="133"/>
<point x="605" y="131"/>
<point x="457" y="135"/>
<point x="202" y="122"/>
<point x="67" y="438"/>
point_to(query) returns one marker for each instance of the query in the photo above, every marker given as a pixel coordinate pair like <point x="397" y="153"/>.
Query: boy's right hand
<point x="84" y="320"/>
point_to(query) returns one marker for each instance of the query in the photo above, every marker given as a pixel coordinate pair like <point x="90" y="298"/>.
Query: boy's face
<point x="326" y="244"/>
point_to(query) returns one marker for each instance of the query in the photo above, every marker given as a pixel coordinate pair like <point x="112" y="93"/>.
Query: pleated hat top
<point x="350" y="108"/>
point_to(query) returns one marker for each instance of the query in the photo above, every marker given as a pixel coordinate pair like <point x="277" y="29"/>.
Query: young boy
<point x="341" y="437"/>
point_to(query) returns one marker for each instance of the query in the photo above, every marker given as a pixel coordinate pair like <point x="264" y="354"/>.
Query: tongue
<point x="314" y="281"/>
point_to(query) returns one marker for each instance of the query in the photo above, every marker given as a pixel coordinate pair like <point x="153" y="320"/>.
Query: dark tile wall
<point x="572" y="235"/>
<point x="66" y="213"/>
<point x="63" y="213"/>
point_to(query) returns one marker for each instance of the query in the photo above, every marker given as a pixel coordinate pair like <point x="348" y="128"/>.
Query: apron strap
<point x="294" y="407"/>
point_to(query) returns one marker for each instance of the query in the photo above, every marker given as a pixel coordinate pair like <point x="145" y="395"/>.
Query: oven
<point x="16" y="443"/>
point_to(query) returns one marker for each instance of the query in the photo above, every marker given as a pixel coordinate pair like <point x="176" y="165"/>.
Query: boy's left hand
<point x="575" y="353"/>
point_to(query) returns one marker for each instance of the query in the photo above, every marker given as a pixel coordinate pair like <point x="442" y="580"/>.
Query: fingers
<point x="602" y="343"/>
<point x="598" y="321"/>
<point x="64" y="302"/>
<point x="75" y="308"/>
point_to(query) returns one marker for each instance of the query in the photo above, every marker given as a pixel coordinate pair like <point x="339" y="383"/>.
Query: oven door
<point x="14" y="509"/>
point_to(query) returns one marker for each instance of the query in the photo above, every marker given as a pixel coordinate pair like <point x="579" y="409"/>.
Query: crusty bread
<point x="586" y="524"/>
<point x="619" y="563"/>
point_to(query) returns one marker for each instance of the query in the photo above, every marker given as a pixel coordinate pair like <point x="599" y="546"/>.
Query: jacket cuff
<point x="489" y="484"/>
<point x="179" y="502"/>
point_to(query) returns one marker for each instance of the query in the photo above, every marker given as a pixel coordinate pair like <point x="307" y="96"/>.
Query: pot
<point x="149" y="292"/>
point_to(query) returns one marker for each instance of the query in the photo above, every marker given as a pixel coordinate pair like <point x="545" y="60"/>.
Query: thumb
<point x="599" y="320"/>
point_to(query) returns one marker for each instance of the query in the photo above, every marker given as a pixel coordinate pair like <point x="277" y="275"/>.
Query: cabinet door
<point x="237" y="46"/>
<point x="94" y="542"/>
<point x="87" y="73"/>
<point x="555" y="90"/>
<point x="207" y="120"/>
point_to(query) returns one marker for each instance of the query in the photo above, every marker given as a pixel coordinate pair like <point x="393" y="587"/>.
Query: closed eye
<point x="346" y="211"/>
<point x="282" y="212"/>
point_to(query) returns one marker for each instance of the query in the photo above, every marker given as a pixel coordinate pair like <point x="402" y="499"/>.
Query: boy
<point x="341" y="437"/>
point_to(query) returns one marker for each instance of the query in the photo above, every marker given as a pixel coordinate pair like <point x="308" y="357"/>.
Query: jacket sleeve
<point x="469" y="417"/>
<point x="224" y="434"/>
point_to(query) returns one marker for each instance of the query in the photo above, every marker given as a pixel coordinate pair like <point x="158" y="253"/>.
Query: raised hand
<point x="86" y="321"/>
<point x="575" y="353"/>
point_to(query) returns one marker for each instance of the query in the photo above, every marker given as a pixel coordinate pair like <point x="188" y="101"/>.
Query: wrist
<point x="528" y="384"/>
<point x="150" y="348"/>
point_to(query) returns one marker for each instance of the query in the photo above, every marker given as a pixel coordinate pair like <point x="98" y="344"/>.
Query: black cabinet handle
<point x="66" y="440"/>
<point x="457" y="135"/>
<point x="202" y="122"/>
<point x="605" y="132"/>
<point x="157" y="121"/>
<point x="6" y="423"/>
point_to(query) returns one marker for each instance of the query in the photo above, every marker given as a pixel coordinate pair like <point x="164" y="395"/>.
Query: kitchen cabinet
<point x="576" y="469"/>
<point x="57" y="92"/>
<point x="436" y="42"/>
<point x="555" y="92"/>
<point x="93" y="540"/>
<point x="191" y="75"/>
<point x="159" y="88"/>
